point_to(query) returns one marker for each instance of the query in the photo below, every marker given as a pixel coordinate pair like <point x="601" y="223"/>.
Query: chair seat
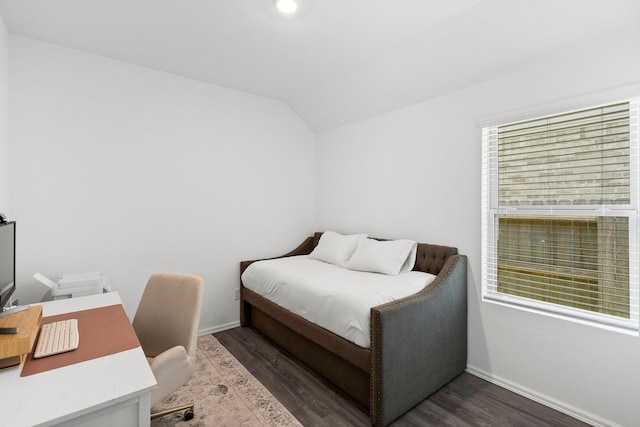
<point x="172" y="369"/>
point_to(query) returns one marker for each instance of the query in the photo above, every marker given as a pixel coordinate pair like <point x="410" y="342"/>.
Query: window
<point x="560" y="205"/>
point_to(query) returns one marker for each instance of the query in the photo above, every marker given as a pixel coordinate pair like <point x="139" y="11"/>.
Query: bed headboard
<point x="429" y="258"/>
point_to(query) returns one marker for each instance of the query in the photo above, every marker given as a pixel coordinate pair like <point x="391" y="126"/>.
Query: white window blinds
<point x="560" y="214"/>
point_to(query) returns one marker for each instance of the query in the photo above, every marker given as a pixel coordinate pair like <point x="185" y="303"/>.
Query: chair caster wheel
<point x="188" y="414"/>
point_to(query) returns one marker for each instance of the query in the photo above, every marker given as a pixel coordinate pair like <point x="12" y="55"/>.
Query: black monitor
<point x="7" y="262"/>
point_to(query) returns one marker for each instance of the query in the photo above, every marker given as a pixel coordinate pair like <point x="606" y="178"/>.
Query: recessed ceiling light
<point x="286" y="6"/>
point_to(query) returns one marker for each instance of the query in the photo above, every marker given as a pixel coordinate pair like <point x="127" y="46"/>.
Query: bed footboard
<point x="418" y="343"/>
<point x="304" y="248"/>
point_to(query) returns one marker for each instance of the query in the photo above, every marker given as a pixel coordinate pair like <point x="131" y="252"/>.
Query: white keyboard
<point x="57" y="337"/>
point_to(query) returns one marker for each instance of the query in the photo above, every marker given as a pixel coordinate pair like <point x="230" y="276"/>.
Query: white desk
<point x="108" y="391"/>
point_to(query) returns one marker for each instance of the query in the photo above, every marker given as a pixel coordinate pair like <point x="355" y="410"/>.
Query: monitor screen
<point x="7" y="262"/>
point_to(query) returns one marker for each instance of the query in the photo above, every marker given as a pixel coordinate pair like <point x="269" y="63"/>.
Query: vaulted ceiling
<point x="334" y="61"/>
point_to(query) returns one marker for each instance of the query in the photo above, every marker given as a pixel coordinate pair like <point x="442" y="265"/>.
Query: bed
<point x="417" y="343"/>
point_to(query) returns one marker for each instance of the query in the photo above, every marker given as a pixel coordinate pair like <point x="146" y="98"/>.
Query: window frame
<point x="491" y="212"/>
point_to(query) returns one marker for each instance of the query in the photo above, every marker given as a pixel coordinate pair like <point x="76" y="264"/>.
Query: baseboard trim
<point x="219" y="328"/>
<point x="560" y="406"/>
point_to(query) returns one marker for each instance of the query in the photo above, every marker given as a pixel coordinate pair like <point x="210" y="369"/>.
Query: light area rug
<point x="224" y="394"/>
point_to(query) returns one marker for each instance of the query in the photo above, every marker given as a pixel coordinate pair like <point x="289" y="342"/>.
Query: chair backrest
<point x="169" y="313"/>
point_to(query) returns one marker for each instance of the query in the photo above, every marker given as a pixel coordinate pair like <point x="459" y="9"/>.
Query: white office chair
<point x="166" y="323"/>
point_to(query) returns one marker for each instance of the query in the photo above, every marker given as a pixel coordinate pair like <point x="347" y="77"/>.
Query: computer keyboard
<point x="57" y="337"/>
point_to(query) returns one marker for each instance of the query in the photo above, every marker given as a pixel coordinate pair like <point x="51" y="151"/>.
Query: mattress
<point x="335" y="298"/>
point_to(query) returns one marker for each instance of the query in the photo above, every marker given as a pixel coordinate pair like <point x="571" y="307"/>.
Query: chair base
<point x="188" y="414"/>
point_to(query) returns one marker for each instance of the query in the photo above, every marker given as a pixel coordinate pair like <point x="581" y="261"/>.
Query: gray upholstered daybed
<point x="418" y="343"/>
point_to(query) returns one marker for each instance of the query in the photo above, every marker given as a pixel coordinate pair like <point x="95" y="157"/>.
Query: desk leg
<point x="145" y="410"/>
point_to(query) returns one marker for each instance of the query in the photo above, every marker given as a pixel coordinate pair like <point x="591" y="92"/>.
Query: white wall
<point x="416" y="173"/>
<point x="131" y="171"/>
<point x="4" y="141"/>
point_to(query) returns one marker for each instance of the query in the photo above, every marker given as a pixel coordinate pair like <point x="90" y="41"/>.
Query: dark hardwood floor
<point x="466" y="401"/>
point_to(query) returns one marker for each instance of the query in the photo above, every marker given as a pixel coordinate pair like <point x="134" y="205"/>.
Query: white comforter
<point x="332" y="297"/>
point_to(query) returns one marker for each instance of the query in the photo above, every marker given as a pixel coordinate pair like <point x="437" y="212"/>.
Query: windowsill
<point x="630" y="328"/>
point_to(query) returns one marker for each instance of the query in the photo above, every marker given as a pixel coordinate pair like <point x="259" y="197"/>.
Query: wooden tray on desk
<point x="14" y="346"/>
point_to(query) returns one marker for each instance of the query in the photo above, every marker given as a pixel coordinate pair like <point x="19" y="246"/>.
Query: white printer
<point x="76" y="285"/>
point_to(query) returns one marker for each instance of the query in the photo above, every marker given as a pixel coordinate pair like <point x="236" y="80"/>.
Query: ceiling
<point x="333" y="62"/>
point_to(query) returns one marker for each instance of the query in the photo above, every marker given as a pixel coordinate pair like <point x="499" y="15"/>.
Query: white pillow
<point x="336" y="248"/>
<point x="390" y="257"/>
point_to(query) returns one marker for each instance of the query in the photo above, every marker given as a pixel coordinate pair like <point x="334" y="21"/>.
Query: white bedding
<point x="332" y="297"/>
